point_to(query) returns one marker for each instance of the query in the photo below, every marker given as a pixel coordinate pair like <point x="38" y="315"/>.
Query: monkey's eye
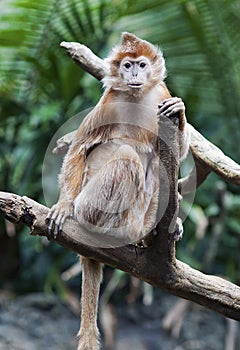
<point x="142" y="64"/>
<point x="127" y="65"/>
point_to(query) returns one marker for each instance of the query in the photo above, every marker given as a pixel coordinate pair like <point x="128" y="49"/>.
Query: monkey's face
<point x="135" y="73"/>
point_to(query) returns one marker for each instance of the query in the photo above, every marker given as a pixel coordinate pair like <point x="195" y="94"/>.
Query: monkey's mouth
<point x="135" y="85"/>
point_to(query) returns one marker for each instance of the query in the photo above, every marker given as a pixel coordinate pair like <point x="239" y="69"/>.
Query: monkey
<point x="109" y="181"/>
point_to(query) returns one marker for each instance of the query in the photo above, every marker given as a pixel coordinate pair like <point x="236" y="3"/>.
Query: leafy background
<point x="41" y="88"/>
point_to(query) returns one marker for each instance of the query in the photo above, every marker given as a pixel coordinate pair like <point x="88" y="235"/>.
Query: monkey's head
<point x="134" y="66"/>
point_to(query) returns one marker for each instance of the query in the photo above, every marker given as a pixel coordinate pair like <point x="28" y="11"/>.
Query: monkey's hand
<point x="173" y="108"/>
<point x="58" y="214"/>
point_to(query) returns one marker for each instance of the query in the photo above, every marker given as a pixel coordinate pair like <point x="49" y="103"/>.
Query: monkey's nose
<point x="135" y="70"/>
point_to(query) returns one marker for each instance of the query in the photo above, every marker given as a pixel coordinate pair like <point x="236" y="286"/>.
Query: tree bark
<point x="85" y="59"/>
<point x="145" y="263"/>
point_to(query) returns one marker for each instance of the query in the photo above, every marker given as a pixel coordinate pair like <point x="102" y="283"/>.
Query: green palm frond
<point x="30" y="33"/>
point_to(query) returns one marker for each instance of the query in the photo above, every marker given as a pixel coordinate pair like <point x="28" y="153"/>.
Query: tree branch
<point x="86" y="59"/>
<point x="213" y="158"/>
<point x="176" y="278"/>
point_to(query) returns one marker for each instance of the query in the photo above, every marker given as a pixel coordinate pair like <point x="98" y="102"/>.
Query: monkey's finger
<point x="60" y="220"/>
<point x="178" y="233"/>
<point x="172" y="109"/>
<point x="170" y="103"/>
<point x="51" y="227"/>
<point x="52" y="214"/>
<point x="180" y="197"/>
<point x="52" y="221"/>
<point x="54" y="227"/>
<point x="48" y="218"/>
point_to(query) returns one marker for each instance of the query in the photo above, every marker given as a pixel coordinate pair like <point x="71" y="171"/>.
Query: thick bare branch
<point x="85" y="58"/>
<point x="208" y="157"/>
<point x="177" y="278"/>
<point x="213" y="158"/>
<point x="195" y="178"/>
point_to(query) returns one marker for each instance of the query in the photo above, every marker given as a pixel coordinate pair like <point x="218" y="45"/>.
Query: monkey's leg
<point x="91" y="280"/>
<point x="113" y="197"/>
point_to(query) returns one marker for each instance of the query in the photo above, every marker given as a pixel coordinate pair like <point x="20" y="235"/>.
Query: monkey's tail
<point x="91" y="280"/>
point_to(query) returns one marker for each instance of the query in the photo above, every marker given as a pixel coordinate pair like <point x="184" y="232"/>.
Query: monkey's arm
<point x="174" y="107"/>
<point x="70" y="181"/>
<point x="64" y="142"/>
<point x="90" y="133"/>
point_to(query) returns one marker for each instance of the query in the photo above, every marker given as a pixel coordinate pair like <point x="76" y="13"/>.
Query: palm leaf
<point x="29" y="48"/>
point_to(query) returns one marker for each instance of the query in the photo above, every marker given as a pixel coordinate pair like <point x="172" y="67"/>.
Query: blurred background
<point x="41" y="88"/>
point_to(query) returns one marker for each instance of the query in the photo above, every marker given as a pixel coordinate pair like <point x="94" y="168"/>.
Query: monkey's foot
<point x="57" y="216"/>
<point x="178" y="233"/>
<point x="147" y="241"/>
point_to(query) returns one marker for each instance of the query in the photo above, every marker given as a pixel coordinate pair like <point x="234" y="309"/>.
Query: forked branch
<point x="144" y="263"/>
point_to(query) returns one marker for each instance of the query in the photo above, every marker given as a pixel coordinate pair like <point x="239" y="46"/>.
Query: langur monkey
<point x="109" y="180"/>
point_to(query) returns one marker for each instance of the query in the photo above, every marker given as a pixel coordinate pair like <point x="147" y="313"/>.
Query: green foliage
<point x="40" y="88"/>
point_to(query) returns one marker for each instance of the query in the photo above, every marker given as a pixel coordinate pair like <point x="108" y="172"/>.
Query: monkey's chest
<point x="101" y="155"/>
